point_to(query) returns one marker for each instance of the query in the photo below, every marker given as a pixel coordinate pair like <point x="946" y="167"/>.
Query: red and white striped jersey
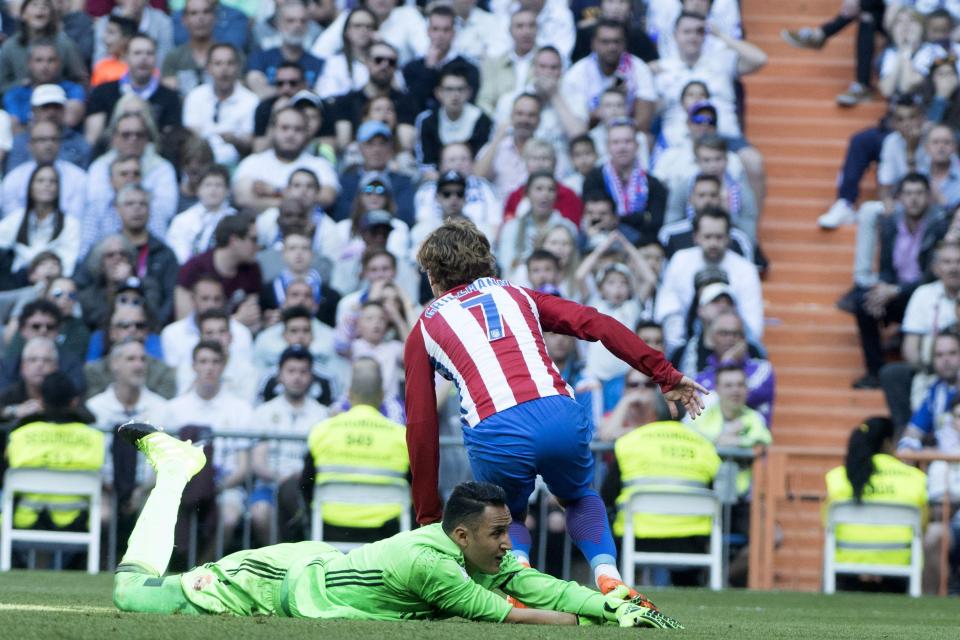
<point x="487" y="337"/>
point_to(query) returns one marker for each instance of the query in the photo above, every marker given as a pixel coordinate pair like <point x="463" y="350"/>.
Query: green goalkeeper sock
<point x="151" y="542"/>
<point x="141" y="593"/>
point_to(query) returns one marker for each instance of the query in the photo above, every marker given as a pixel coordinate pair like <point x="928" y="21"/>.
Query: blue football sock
<point x="590" y="531"/>
<point x="520" y="538"/>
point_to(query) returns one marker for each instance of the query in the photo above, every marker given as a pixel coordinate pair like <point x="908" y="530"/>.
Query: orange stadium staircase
<point x="793" y="120"/>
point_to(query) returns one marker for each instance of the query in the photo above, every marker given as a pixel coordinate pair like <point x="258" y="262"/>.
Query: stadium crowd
<point x="211" y="212"/>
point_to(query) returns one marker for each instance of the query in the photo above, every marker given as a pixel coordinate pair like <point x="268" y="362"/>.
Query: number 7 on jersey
<point x="490" y="313"/>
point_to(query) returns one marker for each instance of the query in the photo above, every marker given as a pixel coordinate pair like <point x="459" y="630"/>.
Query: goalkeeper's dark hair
<point x="468" y="501"/>
<point x="866" y="440"/>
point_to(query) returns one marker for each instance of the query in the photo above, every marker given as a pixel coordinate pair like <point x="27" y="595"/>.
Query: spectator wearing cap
<point x="454" y="120"/>
<point x="727" y="343"/>
<point x="288" y="82"/>
<point x="509" y="69"/>
<point x="451" y="196"/>
<point x="218" y="21"/>
<point x="705" y="192"/>
<point x="221" y="111"/>
<point x="153" y="23"/>
<point x="128" y="323"/>
<point x="714" y="297"/>
<point x="293" y="36"/>
<point x="347" y="110"/>
<point x="39" y="319"/>
<point x="376" y="148"/>
<point x="611" y="65"/>
<point x="296" y="331"/>
<point x="298" y="262"/>
<point x="641" y="199"/>
<point x="233" y="260"/>
<point x="142" y="78"/>
<point x="424" y="73"/>
<point x="44" y="67"/>
<point x="711" y="233"/>
<point x="501" y="159"/>
<point x="370" y="226"/>
<point x="41" y="225"/>
<point x="310" y="104"/>
<point x="678" y="162"/>
<point x="44" y="147"/>
<point x="259" y="179"/>
<point x="481" y="204"/>
<point x="277" y="464"/>
<point x="48" y="103"/>
<point x="401" y="27"/>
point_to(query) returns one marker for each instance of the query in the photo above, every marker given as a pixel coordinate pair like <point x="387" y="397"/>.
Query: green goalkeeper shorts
<point x="246" y="583"/>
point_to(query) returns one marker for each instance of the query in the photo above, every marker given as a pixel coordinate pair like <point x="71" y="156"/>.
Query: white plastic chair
<point x="85" y="484"/>
<point x="685" y="502"/>
<point x="874" y="514"/>
<point x="357" y="493"/>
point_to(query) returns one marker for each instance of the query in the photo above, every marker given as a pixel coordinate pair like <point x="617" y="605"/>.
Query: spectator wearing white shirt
<point x="402" y="27"/>
<point x="345" y="71"/>
<point x="480" y="34"/>
<point x="509" y="71"/>
<point x="180" y="337"/>
<point x="303" y="186"/>
<point x="209" y="405"/>
<point x="611" y="66"/>
<point x="501" y="160"/>
<point x="221" y="111"/>
<point x="127" y="398"/>
<point x="45" y="139"/>
<point x="277" y="464"/>
<point x="677" y="292"/>
<point x="662" y="17"/>
<point x="611" y="108"/>
<point x="554" y="21"/>
<point x="239" y="374"/>
<point x="191" y="231"/>
<point x="271" y="342"/>
<point x="259" y="180"/>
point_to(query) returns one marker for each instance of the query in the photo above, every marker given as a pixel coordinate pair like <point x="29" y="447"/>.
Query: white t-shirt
<point x="224" y="413"/>
<point x="337" y="79"/>
<point x="600" y="363"/>
<point x="929" y="311"/>
<point x="405" y="29"/>
<point x="584" y="83"/>
<point x="279" y="417"/>
<point x="191" y="230"/>
<point x="210" y="118"/>
<point x="718" y="71"/>
<point x="109" y="413"/>
<point x="179" y="338"/>
<point x="662" y="17"/>
<point x="268" y="167"/>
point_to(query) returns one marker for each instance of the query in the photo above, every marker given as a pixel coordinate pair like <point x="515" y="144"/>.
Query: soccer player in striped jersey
<point x="519" y="415"/>
<point x="437" y="571"/>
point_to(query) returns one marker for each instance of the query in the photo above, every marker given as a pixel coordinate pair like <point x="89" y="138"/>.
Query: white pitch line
<point x="67" y="609"/>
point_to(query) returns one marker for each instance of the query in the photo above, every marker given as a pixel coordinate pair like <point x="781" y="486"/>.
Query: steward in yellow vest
<point x="360" y="446"/>
<point x="58" y="439"/>
<point x="664" y="455"/>
<point x="870" y="474"/>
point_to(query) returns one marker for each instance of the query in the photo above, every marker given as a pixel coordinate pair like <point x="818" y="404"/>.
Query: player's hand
<point x="689" y="394"/>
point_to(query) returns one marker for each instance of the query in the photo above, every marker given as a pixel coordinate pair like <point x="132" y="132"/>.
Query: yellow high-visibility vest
<point x="892" y="482"/>
<point x="666" y="456"/>
<point x="363" y="447"/>
<point x="70" y="446"/>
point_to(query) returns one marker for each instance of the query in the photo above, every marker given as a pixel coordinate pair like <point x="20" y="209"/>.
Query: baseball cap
<point x="133" y="283"/>
<point x="700" y="106"/>
<point x="304" y="95"/>
<point x="376" y="218"/>
<point x="48" y="94"/>
<point x="372" y="128"/>
<point x="713" y="291"/>
<point x="709" y="275"/>
<point x="296" y="352"/>
<point x="451" y="177"/>
<point x="376" y="177"/>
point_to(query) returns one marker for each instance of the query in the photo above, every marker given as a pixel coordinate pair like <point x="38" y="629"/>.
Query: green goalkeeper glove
<point x="627" y="613"/>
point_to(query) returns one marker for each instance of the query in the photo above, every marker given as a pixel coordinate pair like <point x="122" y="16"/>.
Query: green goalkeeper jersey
<point x="414" y="575"/>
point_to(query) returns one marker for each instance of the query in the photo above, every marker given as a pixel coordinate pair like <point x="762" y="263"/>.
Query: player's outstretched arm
<point x="689" y="394"/>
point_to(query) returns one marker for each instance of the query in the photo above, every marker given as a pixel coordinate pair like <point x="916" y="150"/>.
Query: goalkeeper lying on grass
<point x="440" y="570"/>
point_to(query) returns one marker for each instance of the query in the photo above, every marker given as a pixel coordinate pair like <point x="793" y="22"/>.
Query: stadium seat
<point x="688" y="502"/>
<point x="359" y="494"/>
<point x="79" y="483"/>
<point x="875" y="514"/>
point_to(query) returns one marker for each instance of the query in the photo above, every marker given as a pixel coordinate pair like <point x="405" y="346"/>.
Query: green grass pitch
<point x="74" y="606"/>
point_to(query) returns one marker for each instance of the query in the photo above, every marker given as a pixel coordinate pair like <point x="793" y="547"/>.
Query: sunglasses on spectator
<point x="59" y="293"/>
<point x="125" y="324"/>
<point x="136" y="301"/>
<point x="634" y="384"/>
<point x="42" y="326"/>
<point x="377" y="189"/>
<point x="699" y="118"/>
<point x="451" y="193"/>
<point x="387" y="60"/>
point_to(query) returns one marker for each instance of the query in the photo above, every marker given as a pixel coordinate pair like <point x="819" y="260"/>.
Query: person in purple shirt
<point x="726" y="336"/>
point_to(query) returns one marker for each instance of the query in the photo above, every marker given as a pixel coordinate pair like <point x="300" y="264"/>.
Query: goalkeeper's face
<point x="485" y="540"/>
